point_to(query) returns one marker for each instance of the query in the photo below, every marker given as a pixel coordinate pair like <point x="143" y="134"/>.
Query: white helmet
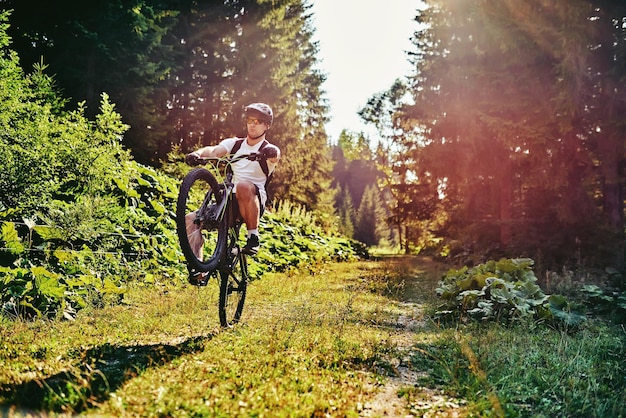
<point x="261" y="111"/>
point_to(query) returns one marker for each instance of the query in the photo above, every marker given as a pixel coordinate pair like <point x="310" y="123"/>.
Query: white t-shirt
<point x="246" y="170"/>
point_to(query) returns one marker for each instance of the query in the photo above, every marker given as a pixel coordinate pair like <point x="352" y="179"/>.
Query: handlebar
<point x="229" y="159"/>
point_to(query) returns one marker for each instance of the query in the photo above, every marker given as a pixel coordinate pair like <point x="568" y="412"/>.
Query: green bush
<point x="88" y="251"/>
<point x="608" y="302"/>
<point x="501" y="290"/>
<point x="94" y="247"/>
<point x="294" y="238"/>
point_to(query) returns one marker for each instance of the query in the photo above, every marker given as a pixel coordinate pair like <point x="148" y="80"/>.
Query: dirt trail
<point x="424" y="274"/>
<point x="387" y="403"/>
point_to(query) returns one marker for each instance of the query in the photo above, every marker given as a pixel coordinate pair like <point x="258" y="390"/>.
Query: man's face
<point x="255" y="126"/>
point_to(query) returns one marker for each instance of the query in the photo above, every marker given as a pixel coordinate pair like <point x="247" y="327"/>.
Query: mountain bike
<point x="211" y="206"/>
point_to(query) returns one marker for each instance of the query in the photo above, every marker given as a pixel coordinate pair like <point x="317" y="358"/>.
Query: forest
<point x="506" y="139"/>
<point x="499" y="158"/>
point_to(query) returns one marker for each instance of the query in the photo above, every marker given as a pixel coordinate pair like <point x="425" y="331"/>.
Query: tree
<point x="603" y="96"/>
<point x="509" y="112"/>
<point x="354" y="167"/>
<point x="370" y="227"/>
<point x="353" y="173"/>
<point x="346" y="212"/>
<point x="114" y="47"/>
<point x="182" y="72"/>
<point x="409" y="191"/>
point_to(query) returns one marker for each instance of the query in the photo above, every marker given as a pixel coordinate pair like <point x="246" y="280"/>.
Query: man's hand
<point x="269" y="152"/>
<point x="193" y="158"/>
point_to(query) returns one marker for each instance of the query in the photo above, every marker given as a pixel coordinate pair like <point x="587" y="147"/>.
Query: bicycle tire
<point x="194" y="197"/>
<point x="233" y="288"/>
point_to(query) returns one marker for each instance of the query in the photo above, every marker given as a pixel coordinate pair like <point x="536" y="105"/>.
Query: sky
<point x="362" y="51"/>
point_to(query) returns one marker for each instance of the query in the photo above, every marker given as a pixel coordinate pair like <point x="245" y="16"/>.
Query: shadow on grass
<point x="99" y="372"/>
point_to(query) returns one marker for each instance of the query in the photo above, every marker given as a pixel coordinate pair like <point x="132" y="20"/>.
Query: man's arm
<point x="215" y="151"/>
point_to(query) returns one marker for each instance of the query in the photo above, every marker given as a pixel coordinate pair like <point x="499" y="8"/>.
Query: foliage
<point x="90" y="250"/>
<point x="360" y="206"/>
<point x="293" y="238"/>
<point x="36" y="291"/>
<point x="58" y="202"/>
<point x="609" y="302"/>
<point x="93" y="249"/>
<point x="371" y="227"/>
<point x="117" y="47"/>
<point x="408" y="188"/>
<point x="501" y="290"/>
<point x="81" y="219"/>
<point x="49" y="155"/>
<point x="346" y="214"/>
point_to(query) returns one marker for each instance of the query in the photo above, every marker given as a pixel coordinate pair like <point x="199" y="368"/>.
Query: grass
<point x="323" y="344"/>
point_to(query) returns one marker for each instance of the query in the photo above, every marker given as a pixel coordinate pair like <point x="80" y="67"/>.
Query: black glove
<point x="270" y="151"/>
<point x="193" y="158"/>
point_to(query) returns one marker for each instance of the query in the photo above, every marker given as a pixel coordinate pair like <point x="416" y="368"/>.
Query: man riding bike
<point x="249" y="177"/>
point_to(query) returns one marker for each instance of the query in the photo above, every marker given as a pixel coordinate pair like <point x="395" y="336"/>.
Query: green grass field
<point x="348" y="339"/>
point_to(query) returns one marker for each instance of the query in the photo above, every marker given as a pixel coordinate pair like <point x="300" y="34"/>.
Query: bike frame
<point x="227" y="206"/>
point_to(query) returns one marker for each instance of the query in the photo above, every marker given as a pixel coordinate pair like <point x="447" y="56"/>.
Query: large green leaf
<point x="10" y="239"/>
<point x="48" y="233"/>
<point x="47" y="283"/>
<point x="510" y="290"/>
<point x="560" y="308"/>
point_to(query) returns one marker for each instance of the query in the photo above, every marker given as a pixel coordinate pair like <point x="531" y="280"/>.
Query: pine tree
<point x="512" y="103"/>
<point x="346" y="212"/>
<point x="370" y="227"/>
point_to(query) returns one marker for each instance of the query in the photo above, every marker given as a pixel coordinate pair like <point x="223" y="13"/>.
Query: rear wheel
<point x="233" y="287"/>
<point x="202" y="232"/>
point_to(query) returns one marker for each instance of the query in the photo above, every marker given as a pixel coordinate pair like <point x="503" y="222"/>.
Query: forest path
<point x="422" y="276"/>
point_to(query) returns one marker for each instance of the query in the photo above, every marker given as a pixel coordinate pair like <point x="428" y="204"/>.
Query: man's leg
<point x="196" y="240"/>
<point x="194" y="235"/>
<point x="250" y="209"/>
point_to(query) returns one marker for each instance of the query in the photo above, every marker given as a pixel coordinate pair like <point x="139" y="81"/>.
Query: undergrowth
<point x="44" y="274"/>
<point x="310" y="344"/>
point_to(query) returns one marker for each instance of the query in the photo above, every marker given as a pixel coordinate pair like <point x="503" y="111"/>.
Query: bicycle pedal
<point x="199" y="279"/>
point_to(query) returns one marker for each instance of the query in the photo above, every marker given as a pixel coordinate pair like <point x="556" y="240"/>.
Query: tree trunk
<point x="406" y="240"/>
<point x="611" y="148"/>
<point x="506" y="193"/>
<point x="400" y="242"/>
<point x="614" y="205"/>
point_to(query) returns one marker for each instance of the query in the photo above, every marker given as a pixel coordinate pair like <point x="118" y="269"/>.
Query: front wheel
<point x="202" y="231"/>
<point x="233" y="287"/>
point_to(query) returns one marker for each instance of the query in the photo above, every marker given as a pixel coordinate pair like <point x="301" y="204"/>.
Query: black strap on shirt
<point x="262" y="162"/>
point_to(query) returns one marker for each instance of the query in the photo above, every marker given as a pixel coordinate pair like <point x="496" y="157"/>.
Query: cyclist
<point x="249" y="177"/>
